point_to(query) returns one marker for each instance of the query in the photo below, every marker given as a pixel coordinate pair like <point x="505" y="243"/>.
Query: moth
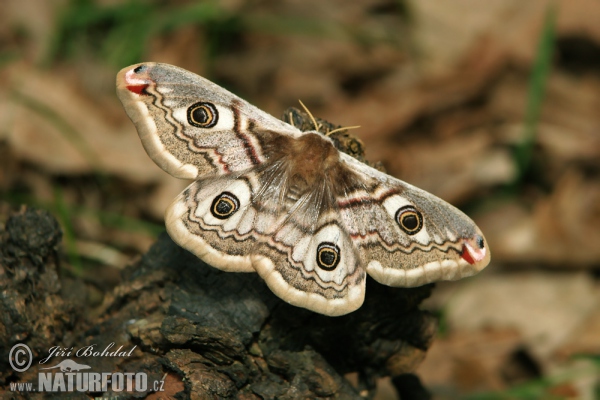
<point x="272" y="199"/>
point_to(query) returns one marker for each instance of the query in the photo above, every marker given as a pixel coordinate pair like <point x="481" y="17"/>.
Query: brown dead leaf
<point x="466" y="361"/>
<point x="63" y="131"/>
<point x="585" y="339"/>
<point x="561" y="230"/>
<point x="546" y="309"/>
<point x="454" y="168"/>
<point x="447" y="32"/>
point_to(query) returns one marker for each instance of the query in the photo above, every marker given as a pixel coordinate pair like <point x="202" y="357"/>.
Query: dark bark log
<point x="216" y="334"/>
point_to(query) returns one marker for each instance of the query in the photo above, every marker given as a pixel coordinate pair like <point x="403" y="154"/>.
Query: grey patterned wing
<point x="255" y="221"/>
<point x="191" y="127"/>
<point x="404" y="235"/>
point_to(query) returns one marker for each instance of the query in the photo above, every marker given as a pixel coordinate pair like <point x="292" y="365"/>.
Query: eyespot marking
<point x="480" y="242"/>
<point x="224" y="205"/>
<point x="409" y="219"/>
<point x="202" y="115"/>
<point x="328" y="256"/>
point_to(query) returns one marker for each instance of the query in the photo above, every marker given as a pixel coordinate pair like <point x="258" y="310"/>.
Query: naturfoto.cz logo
<point x="70" y="376"/>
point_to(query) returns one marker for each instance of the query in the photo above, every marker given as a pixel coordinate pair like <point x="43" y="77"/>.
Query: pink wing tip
<point x="474" y="250"/>
<point x="136" y="81"/>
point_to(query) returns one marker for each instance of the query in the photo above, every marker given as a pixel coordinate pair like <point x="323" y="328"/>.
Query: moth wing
<point x="404" y="235"/>
<point x="193" y="223"/>
<point x="280" y="239"/>
<point x="191" y="127"/>
<point x="309" y="259"/>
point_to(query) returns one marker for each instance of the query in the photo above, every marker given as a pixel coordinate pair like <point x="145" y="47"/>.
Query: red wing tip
<point x="466" y="255"/>
<point x="137" y="89"/>
<point x="474" y="250"/>
<point x="135" y="79"/>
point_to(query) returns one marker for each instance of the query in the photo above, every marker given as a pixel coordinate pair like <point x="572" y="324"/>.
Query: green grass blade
<point x="536" y="91"/>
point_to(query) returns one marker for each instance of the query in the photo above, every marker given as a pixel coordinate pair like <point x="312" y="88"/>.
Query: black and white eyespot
<point x="224" y="205"/>
<point x="328" y="256"/>
<point x="410" y="219"/>
<point x="203" y="115"/>
<point x="480" y="242"/>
